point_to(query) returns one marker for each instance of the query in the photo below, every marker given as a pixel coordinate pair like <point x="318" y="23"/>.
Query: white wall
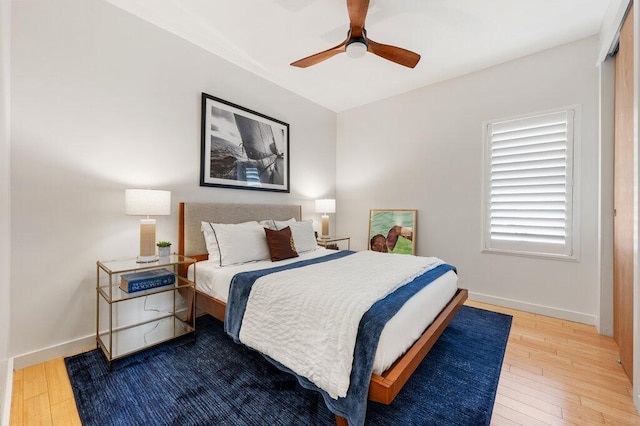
<point x="423" y="150"/>
<point x="5" y="247"/>
<point x="103" y="101"/>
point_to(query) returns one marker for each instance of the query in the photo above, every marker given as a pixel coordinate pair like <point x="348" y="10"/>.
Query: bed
<point x="389" y="374"/>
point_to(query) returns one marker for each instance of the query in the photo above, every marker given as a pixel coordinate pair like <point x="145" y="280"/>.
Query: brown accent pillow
<point x="280" y="244"/>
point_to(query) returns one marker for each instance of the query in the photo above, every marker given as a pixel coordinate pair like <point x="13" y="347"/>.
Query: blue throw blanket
<point x="353" y="406"/>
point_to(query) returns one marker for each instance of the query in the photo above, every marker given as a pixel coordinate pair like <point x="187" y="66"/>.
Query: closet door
<point x="623" y="198"/>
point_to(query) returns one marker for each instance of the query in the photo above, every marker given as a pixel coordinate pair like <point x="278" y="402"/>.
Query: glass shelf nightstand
<point x="124" y="322"/>
<point x="331" y="242"/>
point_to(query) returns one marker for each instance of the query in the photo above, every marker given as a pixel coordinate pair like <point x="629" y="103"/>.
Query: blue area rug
<point x="206" y="379"/>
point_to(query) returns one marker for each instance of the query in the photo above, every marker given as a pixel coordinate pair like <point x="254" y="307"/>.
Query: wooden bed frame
<point x="384" y="387"/>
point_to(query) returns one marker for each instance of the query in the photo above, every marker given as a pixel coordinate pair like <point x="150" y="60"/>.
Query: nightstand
<point x="127" y="322"/>
<point x="331" y="242"/>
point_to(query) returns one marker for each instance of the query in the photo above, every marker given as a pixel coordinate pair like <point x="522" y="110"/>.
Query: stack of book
<point x="145" y="280"/>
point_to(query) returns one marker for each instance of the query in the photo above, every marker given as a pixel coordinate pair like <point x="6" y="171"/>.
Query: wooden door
<point x="623" y="198"/>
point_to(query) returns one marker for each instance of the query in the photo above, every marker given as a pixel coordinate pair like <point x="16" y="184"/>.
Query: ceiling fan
<point x="357" y="43"/>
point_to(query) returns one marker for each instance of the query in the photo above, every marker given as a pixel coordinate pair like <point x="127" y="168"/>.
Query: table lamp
<point x="147" y="202"/>
<point x="325" y="206"/>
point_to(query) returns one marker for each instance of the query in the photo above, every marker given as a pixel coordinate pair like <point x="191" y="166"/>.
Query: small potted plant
<point x="164" y="248"/>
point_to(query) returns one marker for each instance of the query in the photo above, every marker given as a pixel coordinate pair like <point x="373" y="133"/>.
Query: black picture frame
<point x="242" y="149"/>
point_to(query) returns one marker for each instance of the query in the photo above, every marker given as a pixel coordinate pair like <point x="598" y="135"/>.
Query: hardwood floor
<point x="558" y="372"/>
<point x="42" y="395"/>
<point x="555" y="372"/>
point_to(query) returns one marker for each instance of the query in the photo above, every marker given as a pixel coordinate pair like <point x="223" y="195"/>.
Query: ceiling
<point x="454" y="37"/>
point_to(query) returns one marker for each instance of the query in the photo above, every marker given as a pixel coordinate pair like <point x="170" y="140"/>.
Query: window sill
<point x="547" y="256"/>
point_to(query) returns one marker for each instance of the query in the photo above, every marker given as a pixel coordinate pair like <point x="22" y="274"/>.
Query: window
<point x="529" y="185"/>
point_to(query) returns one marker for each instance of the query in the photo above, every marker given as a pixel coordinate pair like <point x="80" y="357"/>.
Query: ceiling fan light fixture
<point x="357" y="44"/>
<point x="356" y="49"/>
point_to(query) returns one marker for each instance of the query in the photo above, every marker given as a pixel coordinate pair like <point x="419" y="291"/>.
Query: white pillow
<point x="210" y="240"/>
<point x="303" y="236"/>
<point x="268" y="224"/>
<point x="281" y="224"/>
<point x="277" y="225"/>
<point x="236" y="243"/>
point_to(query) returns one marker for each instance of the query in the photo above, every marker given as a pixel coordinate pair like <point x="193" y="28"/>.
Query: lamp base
<point x="325" y="226"/>
<point x="147" y="241"/>
<point x="147" y="259"/>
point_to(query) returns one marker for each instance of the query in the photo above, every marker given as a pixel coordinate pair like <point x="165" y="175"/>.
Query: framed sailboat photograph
<point x="242" y="148"/>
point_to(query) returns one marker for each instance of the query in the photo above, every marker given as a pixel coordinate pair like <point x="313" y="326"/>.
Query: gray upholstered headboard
<point x="190" y="238"/>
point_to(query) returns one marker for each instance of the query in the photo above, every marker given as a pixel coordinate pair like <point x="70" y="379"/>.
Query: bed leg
<point x="189" y="295"/>
<point x="341" y="421"/>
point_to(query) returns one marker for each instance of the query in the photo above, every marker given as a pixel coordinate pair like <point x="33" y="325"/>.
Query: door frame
<point x="609" y="38"/>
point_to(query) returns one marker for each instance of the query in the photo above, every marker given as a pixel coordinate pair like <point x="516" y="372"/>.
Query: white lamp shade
<point x="326" y="205"/>
<point x="148" y="202"/>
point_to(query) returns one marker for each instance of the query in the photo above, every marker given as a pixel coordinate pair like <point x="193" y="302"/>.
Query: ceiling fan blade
<point x="319" y="57"/>
<point x="357" y="15"/>
<point x="395" y="54"/>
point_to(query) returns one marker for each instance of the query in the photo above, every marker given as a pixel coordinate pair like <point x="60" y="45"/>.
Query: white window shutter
<point x="529" y="193"/>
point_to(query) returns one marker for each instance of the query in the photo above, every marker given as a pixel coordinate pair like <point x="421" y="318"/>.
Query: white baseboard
<point x="533" y="308"/>
<point x="8" y="390"/>
<point x="62" y="350"/>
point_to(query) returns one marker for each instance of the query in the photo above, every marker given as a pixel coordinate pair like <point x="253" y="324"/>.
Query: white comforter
<point x="307" y="318"/>
<point x="397" y="336"/>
